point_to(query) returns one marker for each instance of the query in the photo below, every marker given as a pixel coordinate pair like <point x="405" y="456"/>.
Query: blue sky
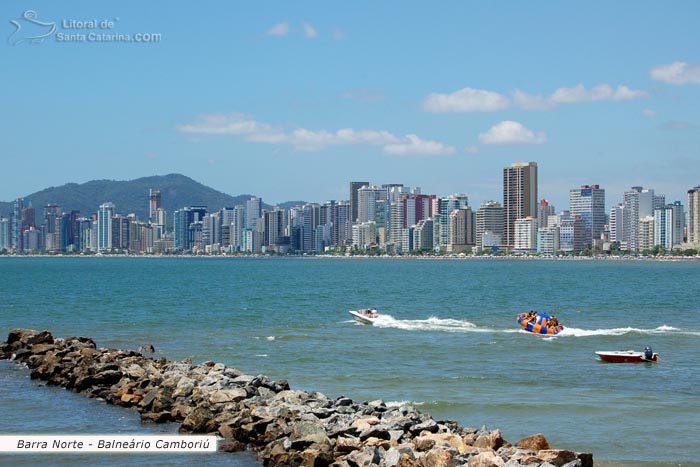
<point x="292" y="100"/>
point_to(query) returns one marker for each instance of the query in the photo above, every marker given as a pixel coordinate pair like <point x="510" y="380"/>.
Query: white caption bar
<point x="106" y="443"/>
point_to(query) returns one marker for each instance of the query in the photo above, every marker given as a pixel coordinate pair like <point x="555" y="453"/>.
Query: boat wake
<point x="430" y="324"/>
<point x="576" y="332"/>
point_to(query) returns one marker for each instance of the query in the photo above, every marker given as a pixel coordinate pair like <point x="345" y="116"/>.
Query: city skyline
<point x="394" y="217"/>
<point x="258" y="99"/>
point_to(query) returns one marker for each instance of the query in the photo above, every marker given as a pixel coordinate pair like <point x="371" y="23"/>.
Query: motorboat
<point x="539" y="323"/>
<point x="628" y="356"/>
<point x="367" y="316"/>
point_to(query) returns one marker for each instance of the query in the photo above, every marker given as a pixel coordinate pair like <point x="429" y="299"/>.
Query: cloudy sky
<point x="292" y="100"/>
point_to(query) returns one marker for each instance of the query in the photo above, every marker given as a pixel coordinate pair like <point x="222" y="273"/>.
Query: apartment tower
<point x="519" y="196"/>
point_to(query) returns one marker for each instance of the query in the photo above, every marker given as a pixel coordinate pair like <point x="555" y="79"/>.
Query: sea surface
<point x="448" y="343"/>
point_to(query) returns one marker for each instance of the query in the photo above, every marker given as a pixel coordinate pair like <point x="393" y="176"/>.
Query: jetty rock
<point x="284" y="426"/>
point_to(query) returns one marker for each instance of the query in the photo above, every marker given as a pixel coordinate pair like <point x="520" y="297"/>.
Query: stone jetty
<point x="285" y="427"/>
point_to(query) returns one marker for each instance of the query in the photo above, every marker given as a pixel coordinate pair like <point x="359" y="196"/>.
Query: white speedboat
<point x="365" y="316"/>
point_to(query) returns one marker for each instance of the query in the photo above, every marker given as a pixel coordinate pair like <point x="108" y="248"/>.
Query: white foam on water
<point x="430" y="324"/>
<point x="398" y="403"/>
<point x="576" y="332"/>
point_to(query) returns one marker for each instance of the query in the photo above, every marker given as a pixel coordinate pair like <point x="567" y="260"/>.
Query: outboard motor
<point x="648" y="353"/>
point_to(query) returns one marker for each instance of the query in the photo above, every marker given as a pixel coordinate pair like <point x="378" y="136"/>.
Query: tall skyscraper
<point x="589" y="203"/>
<point x="519" y="196"/>
<point x="354" y="187"/>
<point x="16" y="232"/>
<point x="253" y="211"/>
<point x="632" y="215"/>
<point x="104" y="227"/>
<point x="5" y="237"/>
<point x="153" y="205"/>
<point x="693" y="219"/>
<point x="618" y="225"/>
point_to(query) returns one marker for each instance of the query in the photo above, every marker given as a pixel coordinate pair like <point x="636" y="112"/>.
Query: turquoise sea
<point x="449" y="343"/>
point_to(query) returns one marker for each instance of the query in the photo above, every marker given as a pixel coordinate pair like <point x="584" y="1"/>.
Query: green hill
<point x="130" y="196"/>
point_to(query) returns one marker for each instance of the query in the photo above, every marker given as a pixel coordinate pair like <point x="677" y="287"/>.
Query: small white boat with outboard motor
<point x="366" y="316"/>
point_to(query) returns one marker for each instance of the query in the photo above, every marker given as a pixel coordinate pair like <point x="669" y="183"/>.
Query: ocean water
<point x="448" y="343"/>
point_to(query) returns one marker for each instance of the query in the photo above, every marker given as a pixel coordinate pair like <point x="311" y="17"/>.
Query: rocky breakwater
<point x="285" y="427"/>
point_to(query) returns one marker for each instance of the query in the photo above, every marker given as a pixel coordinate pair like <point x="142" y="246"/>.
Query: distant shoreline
<point x="373" y="257"/>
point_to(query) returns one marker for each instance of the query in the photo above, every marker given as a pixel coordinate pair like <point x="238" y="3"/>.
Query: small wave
<point x="398" y="403"/>
<point x="261" y="355"/>
<point x="270" y="338"/>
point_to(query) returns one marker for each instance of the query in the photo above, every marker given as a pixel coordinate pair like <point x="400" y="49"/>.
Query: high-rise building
<point x="237" y="226"/>
<point x="447" y="205"/>
<point x="589" y="203"/>
<point x="253" y="211"/>
<point x="344" y="223"/>
<point x="693" y="217"/>
<point x="364" y="235"/>
<point x="423" y="235"/>
<point x="154" y="204"/>
<point x="548" y="239"/>
<point x="646" y="233"/>
<point x="489" y="224"/>
<point x="5" y="234"/>
<point x="678" y="224"/>
<point x="367" y="198"/>
<point x="311" y="220"/>
<point x="519" y="196"/>
<point x="525" y="240"/>
<point x="663" y="227"/>
<point x="211" y="230"/>
<point x="633" y="201"/>
<point x="187" y="224"/>
<point x="618" y="225"/>
<point x="16" y="237"/>
<point x="104" y="227"/>
<point x="460" y="230"/>
<point x="354" y="206"/>
<point x="274" y="222"/>
<point x="570" y="232"/>
<point x="544" y="210"/>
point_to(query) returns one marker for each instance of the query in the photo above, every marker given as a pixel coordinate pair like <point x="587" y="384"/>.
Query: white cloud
<point x="300" y="138"/>
<point x="530" y="102"/>
<point x="304" y="139"/>
<point x="480" y="100"/>
<point x="676" y="73"/>
<point x="510" y="132"/>
<point x="310" y="32"/>
<point x="466" y="100"/>
<point x="224" y="124"/>
<point x="648" y="112"/>
<point x="279" y="29"/>
<point x="602" y="92"/>
<point x="413" y="145"/>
